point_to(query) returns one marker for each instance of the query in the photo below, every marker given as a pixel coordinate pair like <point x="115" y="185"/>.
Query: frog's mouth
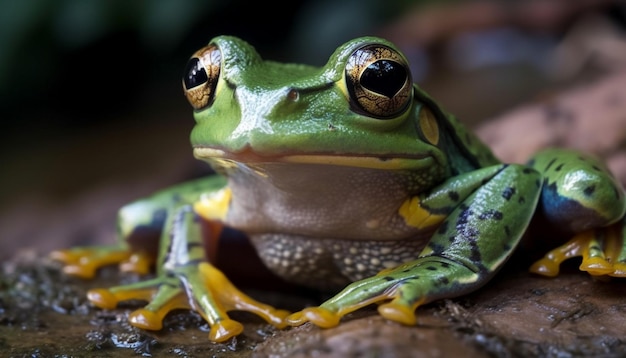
<point x="386" y="162"/>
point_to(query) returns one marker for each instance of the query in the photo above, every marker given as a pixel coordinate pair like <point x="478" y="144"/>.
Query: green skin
<point x="401" y="206"/>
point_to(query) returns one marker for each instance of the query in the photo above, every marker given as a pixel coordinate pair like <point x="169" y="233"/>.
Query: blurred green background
<point x="92" y="108"/>
<point x="72" y="67"/>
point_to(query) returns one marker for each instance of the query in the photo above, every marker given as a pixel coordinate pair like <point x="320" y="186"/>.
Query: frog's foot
<point x="85" y="261"/>
<point x="394" y="310"/>
<point x="602" y="251"/>
<point x="202" y="288"/>
<point x="398" y="292"/>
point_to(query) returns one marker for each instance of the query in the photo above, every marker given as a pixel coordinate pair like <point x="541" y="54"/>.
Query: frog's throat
<point x="397" y="162"/>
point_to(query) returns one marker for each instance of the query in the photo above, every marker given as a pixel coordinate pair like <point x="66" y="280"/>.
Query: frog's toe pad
<point x="398" y="313"/>
<point x="619" y="270"/>
<point x="74" y="263"/>
<point x="596" y="266"/>
<point x="83" y="271"/>
<point x="319" y="316"/>
<point x="278" y="318"/>
<point x="545" y="267"/>
<point x="146" y="319"/>
<point x="224" y="330"/>
<point x="139" y="263"/>
<point x="103" y="298"/>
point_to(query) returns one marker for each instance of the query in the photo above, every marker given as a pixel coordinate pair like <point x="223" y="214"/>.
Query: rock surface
<point x="44" y="313"/>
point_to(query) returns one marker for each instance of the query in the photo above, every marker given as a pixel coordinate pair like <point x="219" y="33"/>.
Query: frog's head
<point x="361" y="109"/>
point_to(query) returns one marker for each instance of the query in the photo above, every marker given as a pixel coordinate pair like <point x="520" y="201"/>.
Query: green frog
<point x="345" y="177"/>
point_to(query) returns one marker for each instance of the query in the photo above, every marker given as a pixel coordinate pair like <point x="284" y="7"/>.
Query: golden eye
<point x="378" y="81"/>
<point x="201" y="75"/>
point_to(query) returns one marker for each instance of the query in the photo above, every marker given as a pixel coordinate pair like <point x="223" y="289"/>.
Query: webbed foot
<point x="603" y="253"/>
<point x="202" y="288"/>
<point x="398" y="292"/>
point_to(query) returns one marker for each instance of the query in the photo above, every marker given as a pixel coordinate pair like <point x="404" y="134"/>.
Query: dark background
<point x="93" y="115"/>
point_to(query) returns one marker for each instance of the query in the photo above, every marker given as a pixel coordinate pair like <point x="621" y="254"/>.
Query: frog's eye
<point x="378" y="81"/>
<point x="201" y="76"/>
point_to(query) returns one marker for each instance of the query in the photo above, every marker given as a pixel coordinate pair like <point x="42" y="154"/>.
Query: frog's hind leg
<point x="603" y="252"/>
<point x="579" y="195"/>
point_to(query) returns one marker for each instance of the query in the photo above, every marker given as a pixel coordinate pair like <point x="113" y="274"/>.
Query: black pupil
<point x="384" y="76"/>
<point x="195" y="74"/>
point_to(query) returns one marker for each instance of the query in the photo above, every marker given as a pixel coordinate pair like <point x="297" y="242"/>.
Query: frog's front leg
<point x="139" y="226"/>
<point x="580" y="195"/>
<point x="478" y="218"/>
<point x="187" y="280"/>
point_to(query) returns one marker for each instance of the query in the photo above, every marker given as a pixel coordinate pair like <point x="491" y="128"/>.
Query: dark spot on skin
<point x="194" y="262"/>
<point x="166" y="257"/>
<point x="475" y="255"/>
<point x="491" y="214"/>
<point x="406" y="271"/>
<point x="437" y="248"/>
<point x="507" y="230"/>
<point x="528" y="171"/>
<point x="158" y="217"/>
<point x="588" y="191"/>
<point x="443" y="280"/>
<point x="443" y="228"/>
<point x="549" y="164"/>
<point x="453" y="195"/>
<point x="521" y="200"/>
<point x="471" y="233"/>
<point x="388" y="278"/>
<point x="462" y="226"/>
<point x="431" y="268"/>
<point x="444" y="210"/>
<point x="558" y="168"/>
<point x="464" y="209"/>
<point x="177" y="198"/>
<point x="445" y="265"/>
<point x="596" y="168"/>
<point x="508" y="193"/>
<point x="193" y="245"/>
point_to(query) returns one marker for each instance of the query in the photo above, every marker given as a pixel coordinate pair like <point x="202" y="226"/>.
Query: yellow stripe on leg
<point x="415" y="215"/>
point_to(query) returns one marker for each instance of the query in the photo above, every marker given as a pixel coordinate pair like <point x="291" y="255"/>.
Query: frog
<point x="347" y="178"/>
